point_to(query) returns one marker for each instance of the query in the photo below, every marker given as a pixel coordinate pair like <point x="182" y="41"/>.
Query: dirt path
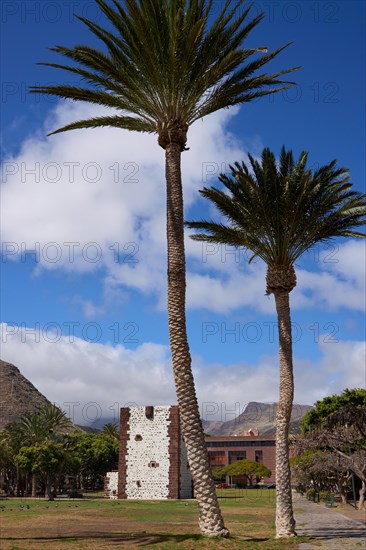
<point x="332" y="529"/>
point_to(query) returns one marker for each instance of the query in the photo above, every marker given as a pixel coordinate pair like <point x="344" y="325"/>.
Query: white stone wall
<point x="144" y="481"/>
<point x="185" y="473"/>
<point x="111" y="485"/>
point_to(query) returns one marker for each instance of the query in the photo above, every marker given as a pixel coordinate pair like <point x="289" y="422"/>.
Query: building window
<point x="259" y="456"/>
<point x="217" y="458"/>
<point x="241" y="443"/>
<point x="149" y="412"/>
<point x="236" y="455"/>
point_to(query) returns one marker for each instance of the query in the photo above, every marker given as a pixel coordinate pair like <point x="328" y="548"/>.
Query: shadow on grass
<point x="269" y="499"/>
<point x="333" y="532"/>
<point x="140" y="539"/>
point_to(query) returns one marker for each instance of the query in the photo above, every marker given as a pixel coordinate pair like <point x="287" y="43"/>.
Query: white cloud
<point x="345" y="363"/>
<point x="95" y="200"/>
<point x="224" y="296"/>
<point x="342" y="284"/>
<point x="347" y="260"/>
<point x="89" y="310"/>
<point x="73" y="371"/>
<point x="87" y="198"/>
<point x="223" y="281"/>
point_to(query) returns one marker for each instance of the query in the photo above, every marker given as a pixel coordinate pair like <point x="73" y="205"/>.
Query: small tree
<point x="11" y="441"/>
<point x="218" y="473"/>
<point x="37" y="428"/>
<point x="338" y="424"/>
<point x="96" y="454"/>
<point x="249" y="469"/>
<point x="46" y="460"/>
<point x="321" y="470"/>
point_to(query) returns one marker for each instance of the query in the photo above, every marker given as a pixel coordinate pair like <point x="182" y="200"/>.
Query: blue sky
<point x="83" y="227"/>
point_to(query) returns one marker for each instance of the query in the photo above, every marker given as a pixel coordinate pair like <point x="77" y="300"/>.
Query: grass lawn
<point x="97" y="524"/>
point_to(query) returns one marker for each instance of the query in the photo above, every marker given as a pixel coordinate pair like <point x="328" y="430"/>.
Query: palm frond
<point x="82" y="94"/>
<point x="124" y="122"/>
<point x="280" y="210"/>
<point x="169" y="60"/>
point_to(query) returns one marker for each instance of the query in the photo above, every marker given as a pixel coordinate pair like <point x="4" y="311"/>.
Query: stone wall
<point x="111" y="485"/>
<point x="123" y="439"/>
<point x="147" y="460"/>
<point x="153" y="459"/>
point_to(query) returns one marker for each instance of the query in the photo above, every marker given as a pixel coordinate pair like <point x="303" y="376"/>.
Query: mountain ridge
<point x="256" y="416"/>
<point x="19" y="397"/>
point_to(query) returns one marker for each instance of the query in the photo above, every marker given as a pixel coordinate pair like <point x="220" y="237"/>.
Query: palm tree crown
<point x="280" y="211"/>
<point x="111" y="430"/>
<point x="38" y="427"/>
<point x="164" y="67"/>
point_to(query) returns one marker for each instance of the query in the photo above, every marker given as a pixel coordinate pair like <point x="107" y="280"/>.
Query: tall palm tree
<point x="278" y="212"/>
<point x="166" y="64"/>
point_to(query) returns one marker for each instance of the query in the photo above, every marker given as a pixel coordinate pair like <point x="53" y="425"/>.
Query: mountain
<point x="18" y="396"/>
<point x="256" y="416"/>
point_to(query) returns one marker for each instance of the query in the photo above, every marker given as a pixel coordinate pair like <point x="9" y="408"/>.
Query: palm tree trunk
<point x="17" y="482"/>
<point x="48" y="489"/>
<point x="210" y="518"/>
<point x="34" y="484"/>
<point x="285" y="523"/>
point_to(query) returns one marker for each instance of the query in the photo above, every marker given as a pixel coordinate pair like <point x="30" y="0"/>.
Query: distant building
<point x="250" y="432"/>
<point x="228" y="449"/>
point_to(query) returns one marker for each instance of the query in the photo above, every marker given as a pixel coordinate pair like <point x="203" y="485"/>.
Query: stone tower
<point x="152" y="455"/>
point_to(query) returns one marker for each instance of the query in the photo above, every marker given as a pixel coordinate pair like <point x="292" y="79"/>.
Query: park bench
<point x="329" y="502"/>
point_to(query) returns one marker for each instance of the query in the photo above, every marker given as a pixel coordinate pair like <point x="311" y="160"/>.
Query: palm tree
<point x="166" y="64"/>
<point x="36" y="428"/>
<point x="111" y="430"/>
<point x="278" y="213"/>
